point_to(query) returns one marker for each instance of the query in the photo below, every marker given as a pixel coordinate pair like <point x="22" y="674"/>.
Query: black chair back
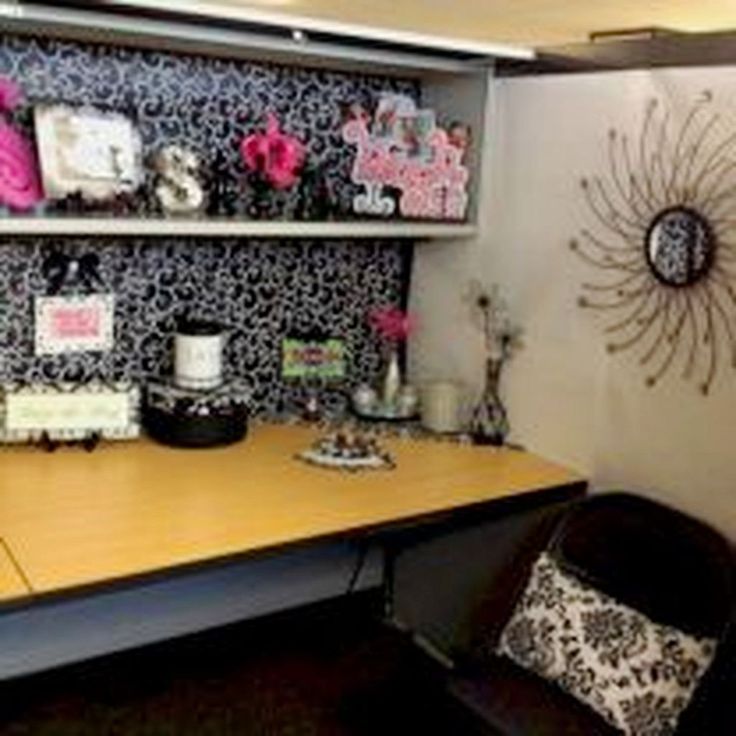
<point x="659" y="561"/>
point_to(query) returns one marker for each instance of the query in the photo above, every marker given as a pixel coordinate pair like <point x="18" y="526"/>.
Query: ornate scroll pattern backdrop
<point x="260" y="289"/>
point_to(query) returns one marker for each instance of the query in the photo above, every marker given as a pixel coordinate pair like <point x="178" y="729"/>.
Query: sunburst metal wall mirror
<point x="664" y="212"/>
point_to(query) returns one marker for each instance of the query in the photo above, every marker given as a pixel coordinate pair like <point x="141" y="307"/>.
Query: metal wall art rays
<point x="665" y="216"/>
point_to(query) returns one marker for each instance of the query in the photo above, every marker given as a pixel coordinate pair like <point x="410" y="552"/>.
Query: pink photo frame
<point x="405" y="150"/>
<point x="73" y="324"/>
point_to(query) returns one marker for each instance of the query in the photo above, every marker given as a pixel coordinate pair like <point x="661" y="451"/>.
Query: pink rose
<point x="276" y="156"/>
<point x="391" y="323"/>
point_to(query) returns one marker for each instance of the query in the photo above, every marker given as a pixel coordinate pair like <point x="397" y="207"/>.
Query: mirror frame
<point x="681" y="317"/>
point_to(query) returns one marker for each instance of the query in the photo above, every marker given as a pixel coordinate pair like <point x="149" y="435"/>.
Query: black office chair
<point x="661" y="562"/>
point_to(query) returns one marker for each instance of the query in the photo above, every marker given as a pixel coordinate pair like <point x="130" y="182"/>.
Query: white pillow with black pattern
<point x="637" y="674"/>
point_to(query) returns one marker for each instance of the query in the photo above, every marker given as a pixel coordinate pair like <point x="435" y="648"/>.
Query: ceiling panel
<point x="532" y="22"/>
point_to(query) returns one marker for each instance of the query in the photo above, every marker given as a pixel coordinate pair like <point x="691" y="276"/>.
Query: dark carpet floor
<point x="332" y="670"/>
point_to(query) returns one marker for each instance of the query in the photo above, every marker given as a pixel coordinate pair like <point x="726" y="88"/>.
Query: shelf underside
<point x="138" y="227"/>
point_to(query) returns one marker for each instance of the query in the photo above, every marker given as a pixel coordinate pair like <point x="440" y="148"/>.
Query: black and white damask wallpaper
<point x="261" y="290"/>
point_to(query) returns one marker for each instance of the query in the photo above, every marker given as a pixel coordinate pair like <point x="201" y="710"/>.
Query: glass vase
<point x="489" y="424"/>
<point x="391" y="381"/>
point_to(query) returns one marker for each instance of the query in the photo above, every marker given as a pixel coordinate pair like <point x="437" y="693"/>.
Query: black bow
<point x="59" y="269"/>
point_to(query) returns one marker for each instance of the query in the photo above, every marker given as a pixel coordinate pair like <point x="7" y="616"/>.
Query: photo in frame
<point x="84" y="150"/>
<point x="404" y="127"/>
<point x="73" y="324"/>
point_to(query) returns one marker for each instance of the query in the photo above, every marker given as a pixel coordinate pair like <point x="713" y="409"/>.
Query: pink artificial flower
<point x="391" y="323"/>
<point x="273" y="154"/>
<point x="10" y="95"/>
<point x="20" y="187"/>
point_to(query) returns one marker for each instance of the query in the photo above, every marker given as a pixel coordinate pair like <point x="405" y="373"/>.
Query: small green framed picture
<point x="322" y="359"/>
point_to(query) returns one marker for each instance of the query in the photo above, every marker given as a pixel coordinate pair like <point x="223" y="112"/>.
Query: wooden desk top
<point x="74" y="519"/>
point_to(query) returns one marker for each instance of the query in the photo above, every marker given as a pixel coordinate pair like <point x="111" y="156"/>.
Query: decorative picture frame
<point x="69" y="412"/>
<point x="404" y="126"/>
<point x="400" y="148"/>
<point x="313" y="358"/>
<point x="87" y="151"/>
<point x="74" y="324"/>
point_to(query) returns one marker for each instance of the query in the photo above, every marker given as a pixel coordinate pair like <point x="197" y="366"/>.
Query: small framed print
<point x="74" y="324"/>
<point x="87" y="151"/>
<point x="313" y="358"/>
<point x="69" y="411"/>
<point x="404" y="126"/>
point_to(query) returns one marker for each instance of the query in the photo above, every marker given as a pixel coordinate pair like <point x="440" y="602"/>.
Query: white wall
<point x="568" y="399"/>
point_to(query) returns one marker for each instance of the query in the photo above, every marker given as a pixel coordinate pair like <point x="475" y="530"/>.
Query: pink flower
<point x="391" y="323"/>
<point x="20" y="187"/>
<point x="273" y="154"/>
<point x="10" y="95"/>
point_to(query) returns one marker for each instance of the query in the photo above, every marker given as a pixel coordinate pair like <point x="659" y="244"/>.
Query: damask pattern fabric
<point x="262" y="290"/>
<point x="202" y="102"/>
<point x="637" y="674"/>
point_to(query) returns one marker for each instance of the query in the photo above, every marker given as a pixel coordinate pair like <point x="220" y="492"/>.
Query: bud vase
<point x="391" y="384"/>
<point x="489" y="424"/>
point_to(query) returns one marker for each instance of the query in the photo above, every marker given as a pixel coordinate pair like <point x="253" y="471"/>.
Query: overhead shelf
<point x="224" y="228"/>
<point x="454" y="77"/>
<point x="252" y="34"/>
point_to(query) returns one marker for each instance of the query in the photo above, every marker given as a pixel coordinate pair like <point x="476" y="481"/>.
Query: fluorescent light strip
<point x="97" y="24"/>
<point x="423" y="42"/>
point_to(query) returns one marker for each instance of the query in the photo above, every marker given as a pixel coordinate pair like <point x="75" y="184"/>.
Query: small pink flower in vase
<point x="393" y="326"/>
<point x="20" y="186"/>
<point x="274" y="157"/>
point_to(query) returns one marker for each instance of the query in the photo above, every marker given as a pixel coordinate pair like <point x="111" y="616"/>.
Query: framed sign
<point x="69" y="411"/>
<point x="84" y="150"/>
<point x="74" y="324"/>
<point x="305" y="358"/>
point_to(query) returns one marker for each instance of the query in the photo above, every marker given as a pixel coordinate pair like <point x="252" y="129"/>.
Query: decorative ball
<point x="365" y="398"/>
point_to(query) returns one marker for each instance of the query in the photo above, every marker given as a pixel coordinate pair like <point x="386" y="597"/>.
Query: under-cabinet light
<point x="107" y="20"/>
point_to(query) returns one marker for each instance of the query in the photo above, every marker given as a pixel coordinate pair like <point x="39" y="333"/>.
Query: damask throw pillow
<point x="637" y="674"/>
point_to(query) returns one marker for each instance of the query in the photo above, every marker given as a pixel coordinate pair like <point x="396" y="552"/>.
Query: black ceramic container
<point x="188" y="418"/>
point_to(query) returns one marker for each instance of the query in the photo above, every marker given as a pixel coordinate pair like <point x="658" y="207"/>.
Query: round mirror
<point x="679" y="246"/>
